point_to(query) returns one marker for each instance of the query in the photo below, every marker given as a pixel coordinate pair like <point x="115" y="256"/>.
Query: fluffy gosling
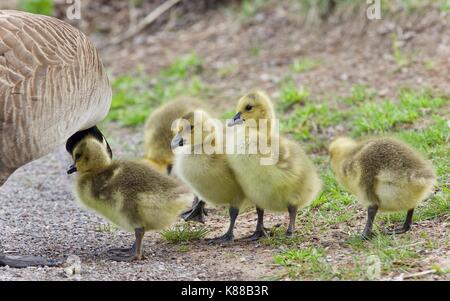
<point x="209" y="175"/>
<point x="130" y="194"/>
<point x="288" y="184"/>
<point x="157" y="138"/>
<point x="384" y="174"/>
<point x="158" y="132"/>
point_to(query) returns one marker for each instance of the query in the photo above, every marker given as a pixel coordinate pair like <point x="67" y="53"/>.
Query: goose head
<point x="339" y="148"/>
<point x="90" y="155"/>
<point x="253" y="107"/>
<point x="190" y="131"/>
<point x="83" y="142"/>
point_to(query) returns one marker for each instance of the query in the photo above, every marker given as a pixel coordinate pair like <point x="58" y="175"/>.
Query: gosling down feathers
<point x="209" y="175"/>
<point x="384" y="174"/>
<point x="289" y="183"/>
<point x="158" y="131"/>
<point x="52" y="84"/>
<point x="130" y="194"/>
<point x="158" y="135"/>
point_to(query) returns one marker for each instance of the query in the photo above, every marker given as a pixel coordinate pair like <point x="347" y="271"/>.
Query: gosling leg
<point x="406" y="226"/>
<point x="19" y="262"/>
<point x="133" y="253"/>
<point x="260" y="230"/>
<point x="292" y="216"/>
<point x="371" y="213"/>
<point x="196" y="213"/>
<point x="228" y="237"/>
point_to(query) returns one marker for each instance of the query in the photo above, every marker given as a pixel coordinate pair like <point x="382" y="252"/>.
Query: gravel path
<point x="49" y="222"/>
<point x="39" y="216"/>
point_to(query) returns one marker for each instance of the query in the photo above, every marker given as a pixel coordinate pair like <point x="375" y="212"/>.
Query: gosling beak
<point x="72" y="169"/>
<point x="236" y="120"/>
<point x="177" y="141"/>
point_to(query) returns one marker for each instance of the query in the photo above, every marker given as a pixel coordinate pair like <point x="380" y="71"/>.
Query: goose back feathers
<point x="52" y="84"/>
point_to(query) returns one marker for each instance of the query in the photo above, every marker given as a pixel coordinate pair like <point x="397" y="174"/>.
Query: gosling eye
<point x="248" y="107"/>
<point x="77" y="157"/>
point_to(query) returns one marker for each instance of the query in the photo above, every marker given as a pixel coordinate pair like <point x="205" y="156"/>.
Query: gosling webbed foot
<point x="20" y="262"/>
<point x="406" y="226"/>
<point x="289" y="233"/>
<point x="225" y="239"/>
<point x="367" y="235"/>
<point x="228" y="237"/>
<point x="196" y="213"/>
<point x="118" y="251"/>
<point x="129" y="256"/>
<point x="257" y="235"/>
<point x="125" y="254"/>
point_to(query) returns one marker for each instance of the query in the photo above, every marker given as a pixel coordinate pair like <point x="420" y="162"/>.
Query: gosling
<point x="130" y="194"/>
<point x="209" y="175"/>
<point x="384" y="174"/>
<point x="291" y="183"/>
<point x="158" y="132"/>
<point x="157" y="138"/>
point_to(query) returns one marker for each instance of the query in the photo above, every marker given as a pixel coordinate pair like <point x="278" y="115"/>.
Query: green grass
<point x="42" y="7"/>
<point x="228" y="115"/>
<point x="292" y="94"/>
<point x="249" y="8"/>
<point x="382" y="117"/>
<point x="413" y="116"/>
<point x="277" y="237"/>
<point x="306" y="263"/>
<point x="401" y="59"/>
<point x="445" y="6"/>
<point x="304" y="64"/>
<point x="227" y="70"/>
<point x="429" y="64"/>
<point x="255" y="50"/>
<point x="184" y="233"/>
<point x="365" y="260"/>
<point x="359" y="94"/>
<point x="135" y="95"/>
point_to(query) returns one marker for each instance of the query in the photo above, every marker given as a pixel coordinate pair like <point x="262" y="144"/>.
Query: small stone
<point x="72" y="266"/>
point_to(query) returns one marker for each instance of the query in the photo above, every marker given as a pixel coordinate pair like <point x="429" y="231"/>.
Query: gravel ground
<point x="49" y="222"/>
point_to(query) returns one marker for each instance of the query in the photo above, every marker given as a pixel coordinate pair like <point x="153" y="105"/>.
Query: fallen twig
<point x="150" y="18"/>
<point x="419" y="274"/>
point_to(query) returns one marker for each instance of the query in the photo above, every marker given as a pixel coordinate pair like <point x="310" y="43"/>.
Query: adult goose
<point x="52" y="87"/>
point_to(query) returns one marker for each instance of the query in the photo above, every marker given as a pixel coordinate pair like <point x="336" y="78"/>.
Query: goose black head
<point x="79" y="136"/>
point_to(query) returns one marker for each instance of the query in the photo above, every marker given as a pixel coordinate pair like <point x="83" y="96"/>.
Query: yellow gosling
<point x="289" y="183"/>
<point x="130" y="194"/>
<point x="209" y="175"/>
<point x="384" y="174"/>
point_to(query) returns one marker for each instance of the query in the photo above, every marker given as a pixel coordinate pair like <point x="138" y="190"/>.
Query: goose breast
<point x="52" y="84"/>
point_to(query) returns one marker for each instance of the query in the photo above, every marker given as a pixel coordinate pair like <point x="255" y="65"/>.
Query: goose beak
<point x="236" y="120"/>
<point x="72" y="169"/>
<point x="177" y="141"/>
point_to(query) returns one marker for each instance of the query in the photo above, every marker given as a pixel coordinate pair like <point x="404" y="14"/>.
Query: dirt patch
<point x="350" y="51"/>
